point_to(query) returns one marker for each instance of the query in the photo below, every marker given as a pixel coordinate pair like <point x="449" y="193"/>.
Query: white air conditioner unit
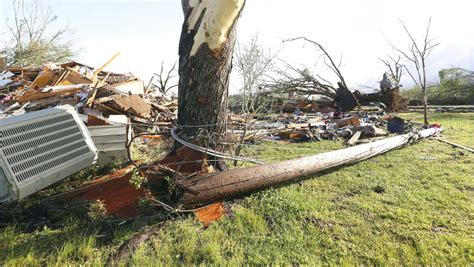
<point x="40" y="148"/>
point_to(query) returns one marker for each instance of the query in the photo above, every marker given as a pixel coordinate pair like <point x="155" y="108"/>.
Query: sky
<point x="146" y="32"/>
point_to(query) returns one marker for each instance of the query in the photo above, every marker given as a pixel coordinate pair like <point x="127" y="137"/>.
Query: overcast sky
<point x="147" y="32"/>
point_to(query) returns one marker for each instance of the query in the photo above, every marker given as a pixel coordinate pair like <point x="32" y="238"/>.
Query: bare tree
<point x="417" y="54"/>
<point x="252" y="63"/>
<point x="331" y="64"/>
<point x="290" y="79"/>
<point x="164" y="79"/>
<point x="35" y="36"/>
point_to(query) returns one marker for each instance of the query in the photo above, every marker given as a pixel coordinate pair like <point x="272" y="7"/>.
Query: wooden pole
<point x="203" y="189"/>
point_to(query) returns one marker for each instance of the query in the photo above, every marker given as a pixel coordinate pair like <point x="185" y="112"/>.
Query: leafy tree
<point x="253" y="62"/>
<point x="35" y="36"/>
<point x="455" y="87"/>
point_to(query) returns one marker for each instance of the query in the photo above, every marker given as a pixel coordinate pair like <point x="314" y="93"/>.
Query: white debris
<point x="4" y="83"/>
<point x="6" y="75"/>
<point x="4" y="78"/>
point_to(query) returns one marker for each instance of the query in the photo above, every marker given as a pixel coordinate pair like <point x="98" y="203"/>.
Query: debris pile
<point x="111" y="103"/>
<point x="309" y="127"/>
<point x="93" y="92"/>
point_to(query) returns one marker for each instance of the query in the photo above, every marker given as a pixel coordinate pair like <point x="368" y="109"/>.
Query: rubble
<point x="304" y="127"/>
<point x="107" y="103"/>
<point x="91" y="91"/>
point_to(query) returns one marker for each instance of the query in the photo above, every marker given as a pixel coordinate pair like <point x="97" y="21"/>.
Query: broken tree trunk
<point x="205" y="50"/>
<point x="205" y="189"/>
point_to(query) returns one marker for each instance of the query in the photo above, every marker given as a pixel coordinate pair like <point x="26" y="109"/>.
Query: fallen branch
<point x="455" y="145"/>
<point x="128" y="247"/>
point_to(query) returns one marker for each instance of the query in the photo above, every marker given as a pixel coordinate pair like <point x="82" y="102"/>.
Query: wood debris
<point x="92" y="91"/>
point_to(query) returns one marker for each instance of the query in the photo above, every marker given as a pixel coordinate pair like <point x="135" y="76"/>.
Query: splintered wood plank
<point x="134" y="104"/>
<point x="73" y="77"/>
<point x="35" y="95"/>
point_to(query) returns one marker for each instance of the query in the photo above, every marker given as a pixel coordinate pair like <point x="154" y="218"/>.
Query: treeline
<point x="456" y="87"/>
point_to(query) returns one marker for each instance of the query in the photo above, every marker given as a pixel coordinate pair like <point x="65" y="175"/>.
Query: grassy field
<point x="410" y="206"/>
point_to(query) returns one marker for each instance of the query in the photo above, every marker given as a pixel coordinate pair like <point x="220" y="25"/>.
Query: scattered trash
<point x="396" y="125"/>
<point x="41" y="114"/>
<point x="312" y="127"/>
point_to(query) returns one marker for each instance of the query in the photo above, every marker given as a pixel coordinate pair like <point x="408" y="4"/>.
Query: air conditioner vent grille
<point x="42" y="168"/>
<point x="39" y="141"/>
<point x="30" y="134"/>
<point x="32" y="162"/>
<point x="33" y="126"/>
<point x="35" y="147"/>
<point x="42" y="149"/>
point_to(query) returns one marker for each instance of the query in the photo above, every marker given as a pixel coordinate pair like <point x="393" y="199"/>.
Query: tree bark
<point x="425" y="106"/>
<point x="205" y="50"/>
<point x="423" y="87"/>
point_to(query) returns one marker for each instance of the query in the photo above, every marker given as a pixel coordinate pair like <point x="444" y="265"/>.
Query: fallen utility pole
<point x="203" y="189"/>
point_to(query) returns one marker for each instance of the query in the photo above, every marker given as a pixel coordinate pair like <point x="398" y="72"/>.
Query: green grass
<point x="458" y="127"/>
<point x="411" y="206"/>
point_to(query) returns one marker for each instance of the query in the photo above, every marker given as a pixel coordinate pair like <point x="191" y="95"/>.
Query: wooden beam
<point x="354" y="138"/>
<point x="97" y="71"/>
<point x="56" y="91"/>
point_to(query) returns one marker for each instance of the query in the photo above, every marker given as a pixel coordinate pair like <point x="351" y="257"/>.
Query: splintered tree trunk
<point x="205" y="61"/>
